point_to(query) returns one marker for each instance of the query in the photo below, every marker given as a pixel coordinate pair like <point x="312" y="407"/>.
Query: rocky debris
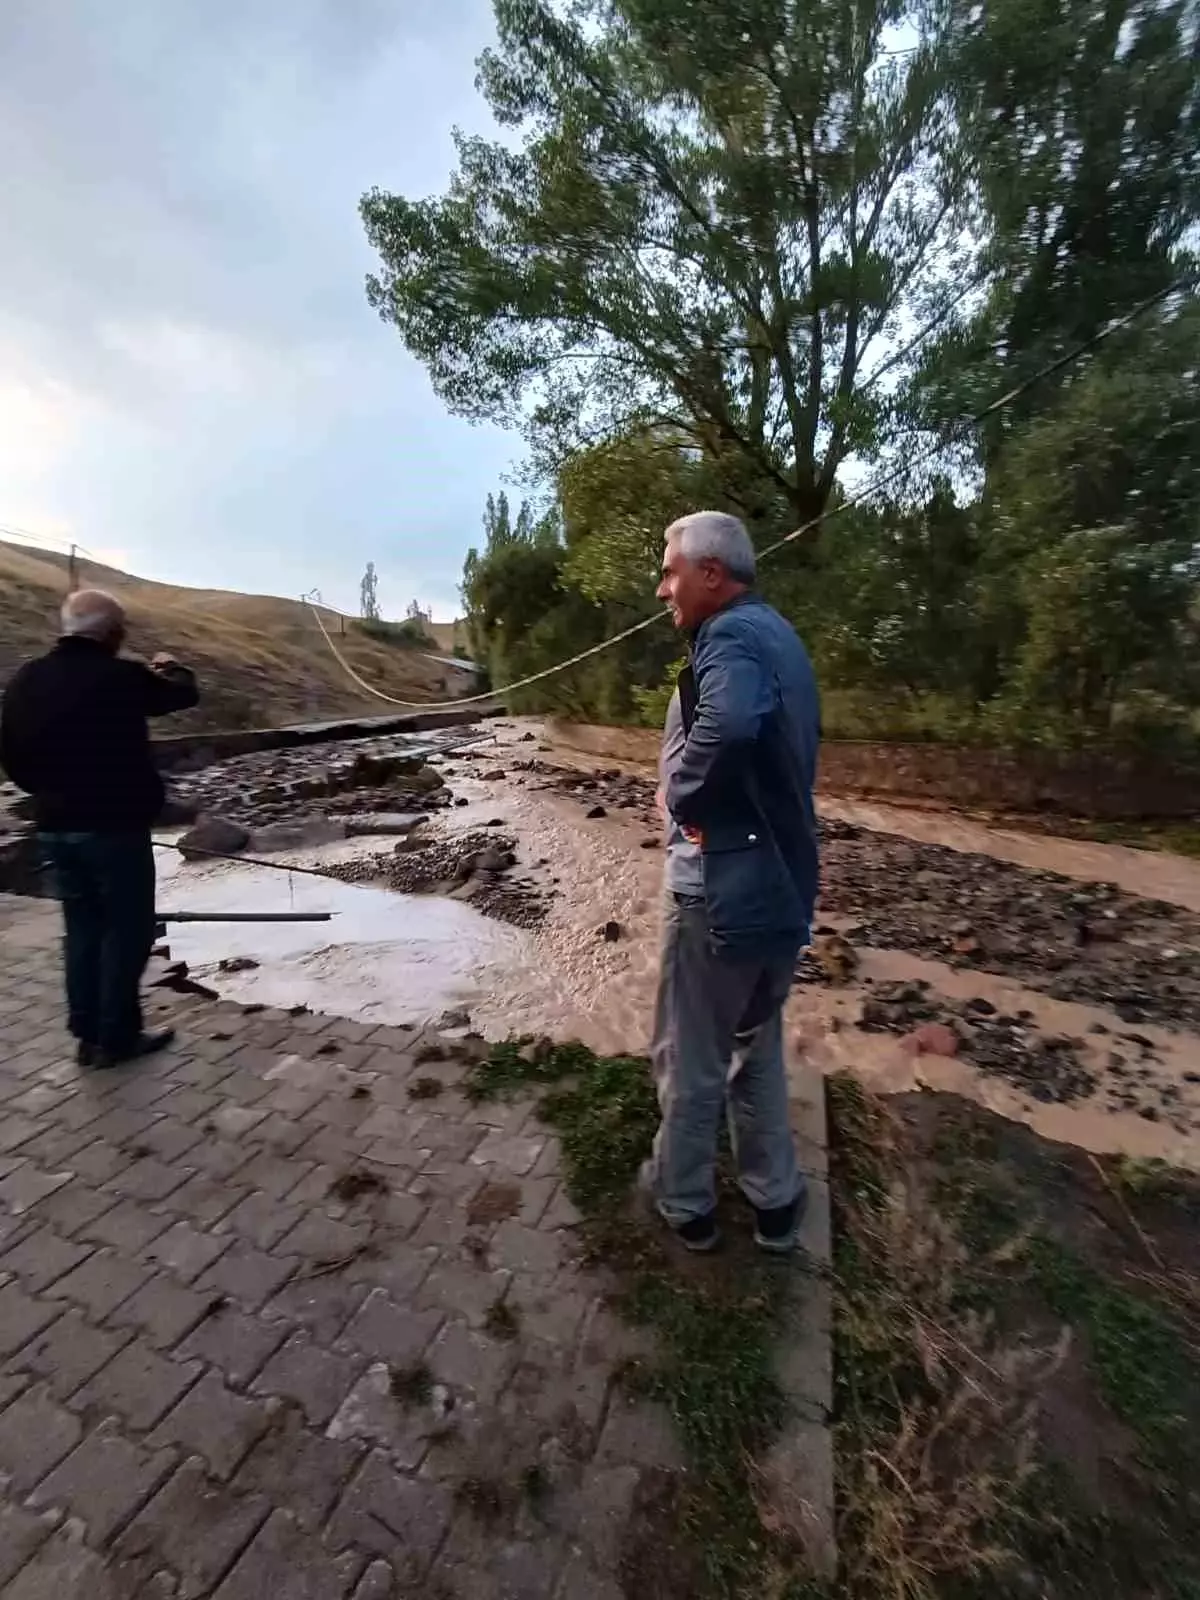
<point x="237" y="964"/>
<point x="931" y="1039"/>
<point x="213" y="836"/>
<point x="1045" y="1066"/>
<point x="1024" y="924"/>
<point x="305" y="833"/>
<point x="600" y="792"/>
<point x="475" y="865"/>
<point x="829" y="959"/>
<point x="611" y="932"/>
<point x="358" y="777"/>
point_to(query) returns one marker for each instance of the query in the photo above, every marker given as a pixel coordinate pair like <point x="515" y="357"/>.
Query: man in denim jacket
<point x="739" y="761"/>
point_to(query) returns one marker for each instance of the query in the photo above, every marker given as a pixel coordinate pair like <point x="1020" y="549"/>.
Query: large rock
<point x="305" y="833"/>
<point x="213" y="836"/>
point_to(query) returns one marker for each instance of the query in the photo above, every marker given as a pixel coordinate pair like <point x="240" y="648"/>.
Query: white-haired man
<point x="73" y="734"/>
<point x="738" y="765"/>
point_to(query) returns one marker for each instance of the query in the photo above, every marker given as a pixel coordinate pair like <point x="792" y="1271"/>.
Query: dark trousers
<point x="106" y="885"/>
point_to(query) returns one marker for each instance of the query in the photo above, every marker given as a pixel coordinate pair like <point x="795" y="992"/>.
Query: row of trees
<point x="758" y="254"/>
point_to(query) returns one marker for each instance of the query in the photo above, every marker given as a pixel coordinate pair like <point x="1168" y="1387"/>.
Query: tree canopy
<point x="725" y="251"/>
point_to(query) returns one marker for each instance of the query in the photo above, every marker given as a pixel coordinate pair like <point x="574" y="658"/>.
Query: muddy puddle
<point x="382" y="957"/>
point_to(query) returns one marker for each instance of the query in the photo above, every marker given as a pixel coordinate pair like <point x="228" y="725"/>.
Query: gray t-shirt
<point x="685" y="866"/>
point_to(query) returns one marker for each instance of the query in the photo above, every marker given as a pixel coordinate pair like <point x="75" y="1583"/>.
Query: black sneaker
<point x="148" y="1044"/>
<point x="85" y="1054"/>
<point x="698" y="1233"/>
<point x="776" y="1231"/>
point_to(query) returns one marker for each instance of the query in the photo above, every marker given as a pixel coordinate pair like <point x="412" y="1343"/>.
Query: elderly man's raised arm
<point x="165" y="686"/>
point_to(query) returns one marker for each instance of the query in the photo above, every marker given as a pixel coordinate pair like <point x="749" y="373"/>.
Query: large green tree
<point x="713" y="217"/>
<point x="1079" y="121"/>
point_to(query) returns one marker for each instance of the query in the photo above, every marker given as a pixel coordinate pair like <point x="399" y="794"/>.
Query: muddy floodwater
<point x="381" y="957"/>
<point x="1126" y="1070"/>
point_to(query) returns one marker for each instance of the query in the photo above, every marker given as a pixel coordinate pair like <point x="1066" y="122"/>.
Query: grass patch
<point x="412" y="1385"/>
<point x="501" y="1321"/>
<point x="1017" y="1363"/>
<point x="699" y="1535"/>
<point x="425" y="1088"/>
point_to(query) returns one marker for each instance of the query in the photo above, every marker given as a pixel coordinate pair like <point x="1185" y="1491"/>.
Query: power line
<point x="881" y="481"/>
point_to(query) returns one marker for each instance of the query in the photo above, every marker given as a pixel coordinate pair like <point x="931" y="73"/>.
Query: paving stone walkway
<point x="223" y="1371"/>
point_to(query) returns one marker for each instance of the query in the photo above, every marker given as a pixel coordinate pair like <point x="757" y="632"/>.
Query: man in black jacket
<point x="73" y="735"/>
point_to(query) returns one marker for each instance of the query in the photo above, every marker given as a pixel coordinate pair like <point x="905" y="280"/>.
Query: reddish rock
<point x="931" y="1039"/>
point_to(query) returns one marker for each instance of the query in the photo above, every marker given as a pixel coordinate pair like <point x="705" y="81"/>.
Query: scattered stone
<point x="830" y="959"/>
<point x="1023" y="921"/>
<point x="611" y="932"/>
<point x="931" y="1039"/>
<point x="1047" y="1067"/>
<point x="595" y="813"/>
<point x="237" y="964"/>
<point x="213" y="836"/>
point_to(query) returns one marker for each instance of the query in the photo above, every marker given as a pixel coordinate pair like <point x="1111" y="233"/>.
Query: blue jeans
<point x="106" y="885"/>
<point x="718" y="1051"/>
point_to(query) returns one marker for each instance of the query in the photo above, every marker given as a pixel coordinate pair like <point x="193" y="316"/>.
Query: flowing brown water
<point x="403" y="958"/>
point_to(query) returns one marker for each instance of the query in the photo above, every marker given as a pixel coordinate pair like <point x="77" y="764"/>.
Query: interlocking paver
<point x="196" y="1527"/>
<point x="214" y="1423"/>
<point x="126" y="1226"/>
<point x="261" y="1219"/>
<point x="139" y="1385"/>
<point x="98" y="1161"/>
<point x="237" y="1344"/>
<point x="204" y="1200"/>
<point x="299" y="1469"/>
<point x="21" y="1317"/>
<point x="70" y="1352"/>
<point x="148" y="1179"/>
<point x="63" y="1569"/>
<point x="21" y="1535"/>
<point x="41" y="1258"/>
<point x="201" y="1183"/>
<point x="102" y="1282"/>
<point x="105" y="1482"/>
<point x="186" y="1250"/>
<point x="464" y="1290"/>
<point x="163" y="1310"/>
<point x="373" y="1414"/>
<point x="317" y="1238"/>
<point x="471" y="1362"/>
<point x="317" y="1379"/>
<point x="27" y="1185"/>
<point x="285" y="1560"/>
<point x="378" y="1582"/>
<point x="35" y="1434"/>
<point x="400" y="1518"/>
<point x="247" y="1275"/>
<point x="529" y="1250"/>
<point x="322" y="1305"/>
<point x="390" y="1332"/>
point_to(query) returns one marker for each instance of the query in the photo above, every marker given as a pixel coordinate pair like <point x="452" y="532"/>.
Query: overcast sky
<point x="191" y="382"/>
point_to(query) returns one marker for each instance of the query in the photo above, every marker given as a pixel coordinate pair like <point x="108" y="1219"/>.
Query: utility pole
<point x="72" y="572"/>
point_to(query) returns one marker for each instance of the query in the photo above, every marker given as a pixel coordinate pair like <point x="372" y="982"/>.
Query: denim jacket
<point x="745" y="780"/>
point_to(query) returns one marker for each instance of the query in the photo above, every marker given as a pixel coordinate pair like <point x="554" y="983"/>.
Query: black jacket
<point x="73" y="735"/>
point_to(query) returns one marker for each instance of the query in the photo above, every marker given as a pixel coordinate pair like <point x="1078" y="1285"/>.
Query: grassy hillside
<point x="261" y="660"/>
